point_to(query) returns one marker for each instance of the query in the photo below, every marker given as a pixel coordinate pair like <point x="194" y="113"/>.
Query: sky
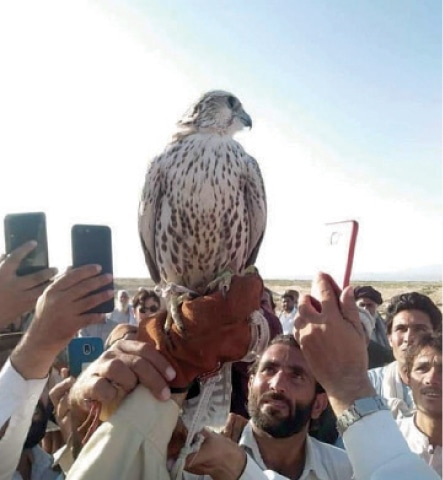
<point x="345" y="99"/>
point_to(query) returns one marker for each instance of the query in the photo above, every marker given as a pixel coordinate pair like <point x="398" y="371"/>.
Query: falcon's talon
<point x="221" y="283"/>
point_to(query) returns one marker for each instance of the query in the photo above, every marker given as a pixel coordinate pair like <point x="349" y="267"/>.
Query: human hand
<point x="333" y="342"/>
<point x="218" y="456"/>
<point x="18" y="294"/>
<point x="118" y="371"/>
<point x="58" y="317"/>
<point x="59" y="398"/>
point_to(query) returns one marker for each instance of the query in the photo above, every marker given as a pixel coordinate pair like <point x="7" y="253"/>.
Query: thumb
<point x="350" y="309"/>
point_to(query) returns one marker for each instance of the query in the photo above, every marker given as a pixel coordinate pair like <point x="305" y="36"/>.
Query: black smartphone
<point x="92" y="244"/>
<point x="19" y="229"/>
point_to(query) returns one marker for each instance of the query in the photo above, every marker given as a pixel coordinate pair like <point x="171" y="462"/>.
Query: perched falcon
<point x="203" y="206"/>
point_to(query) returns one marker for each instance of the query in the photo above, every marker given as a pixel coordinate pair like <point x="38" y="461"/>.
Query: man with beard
<point x="283" y="400"/>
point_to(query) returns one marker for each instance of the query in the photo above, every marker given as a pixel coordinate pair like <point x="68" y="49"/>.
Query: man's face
<point x="425" y="381"/>
<point x="282" y="397"/>
<point x="368" y="305"/>
<point x="288" y="304"/>
<point x="405" y="327"/>
<point x="123" y="299"/>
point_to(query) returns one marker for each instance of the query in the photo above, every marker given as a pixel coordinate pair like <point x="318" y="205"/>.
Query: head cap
<point x="368" y="292"/>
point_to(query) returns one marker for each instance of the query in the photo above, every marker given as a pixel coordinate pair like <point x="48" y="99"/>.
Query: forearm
<point x="18" y="398"/>
<point x="16" y="391"/>
<point x="390" y="457"/>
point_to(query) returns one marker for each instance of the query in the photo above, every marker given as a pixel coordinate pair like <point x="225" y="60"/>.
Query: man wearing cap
<point x="370" y="299"/>
<point x="287" y="315"/>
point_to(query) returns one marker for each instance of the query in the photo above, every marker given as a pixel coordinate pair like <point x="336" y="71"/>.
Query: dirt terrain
<point x="387" y="289"/>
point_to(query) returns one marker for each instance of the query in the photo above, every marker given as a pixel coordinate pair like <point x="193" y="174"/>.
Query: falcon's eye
<point x="232" y="101"/>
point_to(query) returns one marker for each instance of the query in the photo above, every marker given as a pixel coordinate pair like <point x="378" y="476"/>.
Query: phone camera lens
<point x="87" y="349"/>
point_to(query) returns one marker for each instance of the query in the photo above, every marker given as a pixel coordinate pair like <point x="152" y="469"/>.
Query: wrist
<point x="32" y="362"/>
<point x="344" y="398"/>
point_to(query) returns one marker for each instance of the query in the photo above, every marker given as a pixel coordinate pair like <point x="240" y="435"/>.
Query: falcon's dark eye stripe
<point x="231" y="102"/>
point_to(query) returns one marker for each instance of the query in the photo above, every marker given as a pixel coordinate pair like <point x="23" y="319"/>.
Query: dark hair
<point x="432" y="340"/>
<point x="271" y="298"/>
<point x="366" y="291"/>
<point x="142" y="295"/>
<point x="281" y="339"/>
<point x="413" y="301"/>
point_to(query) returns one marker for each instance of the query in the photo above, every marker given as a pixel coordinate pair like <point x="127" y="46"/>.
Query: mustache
<point x="426" y="390"/>
<point x="275" y="396"/>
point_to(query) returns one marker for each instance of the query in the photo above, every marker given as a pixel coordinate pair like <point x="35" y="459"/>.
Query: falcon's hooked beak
<point x="245" y="118"/>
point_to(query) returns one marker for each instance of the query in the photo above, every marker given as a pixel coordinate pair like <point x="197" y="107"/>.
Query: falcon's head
<point x="214" y="112"/>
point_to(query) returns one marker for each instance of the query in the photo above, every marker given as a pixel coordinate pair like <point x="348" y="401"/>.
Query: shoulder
<point x="376" y="374"/>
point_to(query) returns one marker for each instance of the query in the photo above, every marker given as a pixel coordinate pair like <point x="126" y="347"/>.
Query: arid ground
<point x="387" y="289"/>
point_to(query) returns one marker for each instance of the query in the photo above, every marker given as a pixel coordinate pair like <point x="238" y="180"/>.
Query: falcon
<point x="202" y="214"/>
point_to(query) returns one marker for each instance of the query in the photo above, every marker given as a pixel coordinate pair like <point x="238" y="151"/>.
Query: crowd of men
<point x="307" y="406"/>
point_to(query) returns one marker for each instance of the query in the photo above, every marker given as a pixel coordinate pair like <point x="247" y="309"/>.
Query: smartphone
<point x="92" y="244"/>
<point x="336" y="253"/>
<point x="20" y="228"/>
<point x="83" y="351"/>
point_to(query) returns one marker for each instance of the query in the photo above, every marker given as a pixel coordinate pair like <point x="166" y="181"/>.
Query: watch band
<point x="359" y="409"/>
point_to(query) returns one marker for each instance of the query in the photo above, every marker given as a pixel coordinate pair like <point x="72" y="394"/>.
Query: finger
<point x="149" y="353"/>
<point x="92" y="388"/>
<point x="118" y="371"/>
<point x="69" y="278"/>
<point x="60" y="390"/>
<point x="307" y="310"/>
<point x="327" y="291"/>
<point x="88" y="302"/>
<point x="39" y="278"/>
<point x="16" y="256"/>
<point x="350" y="309"/>
<point x="147" y="364"/>
<point x="63" y="407"/>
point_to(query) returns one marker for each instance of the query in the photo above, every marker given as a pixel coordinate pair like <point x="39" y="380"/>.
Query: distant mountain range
<point x="427" y="273"/>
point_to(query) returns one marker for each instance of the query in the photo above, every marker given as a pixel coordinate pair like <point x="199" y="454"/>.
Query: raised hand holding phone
<point x="24" y="272"/>
<point x="20" y="228"/>
<point x="92" y="244"/>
